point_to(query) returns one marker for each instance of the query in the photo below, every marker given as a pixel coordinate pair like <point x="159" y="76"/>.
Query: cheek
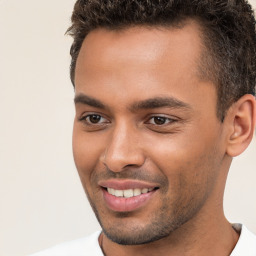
<point x="190" y="165"/>
<point x="87" y="151"/>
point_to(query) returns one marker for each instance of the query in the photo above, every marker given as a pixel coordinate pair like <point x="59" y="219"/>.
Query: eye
<point x="93" y="119"/>
<point x="160" y="120"/>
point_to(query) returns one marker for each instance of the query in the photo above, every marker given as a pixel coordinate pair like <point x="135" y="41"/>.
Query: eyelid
<point x="171" y="119"/>
<point x="100" y="122"/>
<point x="84" y="116"/>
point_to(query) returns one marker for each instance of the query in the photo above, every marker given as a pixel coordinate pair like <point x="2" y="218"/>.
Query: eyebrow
<point x="157" y="102"/>
<point x="86" y="100"/>
<point x="160" y="102"/>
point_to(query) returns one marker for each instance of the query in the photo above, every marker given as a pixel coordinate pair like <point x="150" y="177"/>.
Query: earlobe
<point x="241" y="121"/>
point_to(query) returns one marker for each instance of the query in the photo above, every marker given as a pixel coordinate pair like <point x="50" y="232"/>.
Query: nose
<point x="123" y="149"/>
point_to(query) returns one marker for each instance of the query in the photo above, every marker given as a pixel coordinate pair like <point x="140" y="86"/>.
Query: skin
<point x="187" y="156"/>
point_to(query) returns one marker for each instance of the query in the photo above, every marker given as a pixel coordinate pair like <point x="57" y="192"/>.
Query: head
<point x="228" y="33"/>
<point x="139" y="69"/>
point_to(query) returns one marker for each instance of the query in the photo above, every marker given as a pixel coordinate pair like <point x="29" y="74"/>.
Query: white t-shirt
<point x="89" y="246"/>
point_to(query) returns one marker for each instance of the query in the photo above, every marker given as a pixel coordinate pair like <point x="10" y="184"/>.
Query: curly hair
<point x="228" y="32"/>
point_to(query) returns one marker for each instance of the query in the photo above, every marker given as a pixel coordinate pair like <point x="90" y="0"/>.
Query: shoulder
<point x="80" y="247"/>
<point x="246" y="244"/>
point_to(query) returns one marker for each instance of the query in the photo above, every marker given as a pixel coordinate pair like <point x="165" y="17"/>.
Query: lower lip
<point x="121" y="204"/>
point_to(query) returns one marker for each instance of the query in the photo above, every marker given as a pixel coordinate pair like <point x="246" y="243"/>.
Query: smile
<point x="127" y="193"/>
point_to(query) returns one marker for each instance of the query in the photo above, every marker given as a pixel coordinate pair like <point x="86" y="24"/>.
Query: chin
<point x="137" y="237"/>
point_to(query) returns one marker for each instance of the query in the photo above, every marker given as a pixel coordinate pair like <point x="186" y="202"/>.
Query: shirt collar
<point x="246" y="245"/>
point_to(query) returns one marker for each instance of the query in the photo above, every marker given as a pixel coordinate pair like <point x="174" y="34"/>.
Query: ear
<point x="241" y="119"/>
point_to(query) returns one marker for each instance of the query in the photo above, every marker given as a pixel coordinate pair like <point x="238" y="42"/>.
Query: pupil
<point x="94" y="119"/>
<point x="159" y="120"/>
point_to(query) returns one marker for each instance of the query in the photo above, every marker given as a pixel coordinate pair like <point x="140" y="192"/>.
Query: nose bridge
<point x="123" y="147"/>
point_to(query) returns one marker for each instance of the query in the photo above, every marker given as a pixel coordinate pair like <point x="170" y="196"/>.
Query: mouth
<point x="127" y="196"/>
<point x="128" y="193"/>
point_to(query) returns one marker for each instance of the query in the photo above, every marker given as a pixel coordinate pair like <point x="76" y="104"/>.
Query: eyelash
<point x="157" y="118"/>
<point x="84" y="119"/>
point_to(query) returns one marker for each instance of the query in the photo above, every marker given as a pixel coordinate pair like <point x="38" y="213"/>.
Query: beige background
<point x="41" y="201"/>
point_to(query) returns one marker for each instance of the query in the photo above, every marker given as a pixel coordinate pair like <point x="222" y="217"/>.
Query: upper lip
<point x="126" y="184"/>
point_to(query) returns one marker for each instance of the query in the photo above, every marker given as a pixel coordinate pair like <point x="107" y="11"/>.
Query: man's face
<point x="147" y="143"/>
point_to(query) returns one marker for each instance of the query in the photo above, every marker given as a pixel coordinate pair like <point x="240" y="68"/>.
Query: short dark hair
<point x="228" y="31"/>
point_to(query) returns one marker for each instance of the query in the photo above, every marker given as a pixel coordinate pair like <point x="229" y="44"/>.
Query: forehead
<point x="140" y="62"/>
<point x="141" y="46"/>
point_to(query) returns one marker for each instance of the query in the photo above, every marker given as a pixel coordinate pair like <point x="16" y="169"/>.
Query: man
<point x="164" y="101"/>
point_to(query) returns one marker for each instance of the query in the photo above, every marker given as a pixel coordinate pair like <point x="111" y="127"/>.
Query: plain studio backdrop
<point x="42" y="202"/>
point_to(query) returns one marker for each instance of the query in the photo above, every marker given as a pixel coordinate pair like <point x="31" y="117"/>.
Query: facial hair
<point x="172" y="214"/>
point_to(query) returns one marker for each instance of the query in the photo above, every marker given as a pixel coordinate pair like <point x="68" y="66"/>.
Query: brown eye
<point x="162" y="123"/>
<point x="94" y="119"/>
<point x="159" y="120"/>
<point x="93" y="122"/>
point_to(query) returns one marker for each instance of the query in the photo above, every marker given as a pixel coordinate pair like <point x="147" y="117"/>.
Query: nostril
<point x="131" y="165"/>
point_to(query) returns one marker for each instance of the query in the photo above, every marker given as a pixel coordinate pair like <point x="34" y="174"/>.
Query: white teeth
<point x="119" y="193"/>
<point x="137" y="192"/>
<point x="144" y="191"/>
<point x="128" y="192"/>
